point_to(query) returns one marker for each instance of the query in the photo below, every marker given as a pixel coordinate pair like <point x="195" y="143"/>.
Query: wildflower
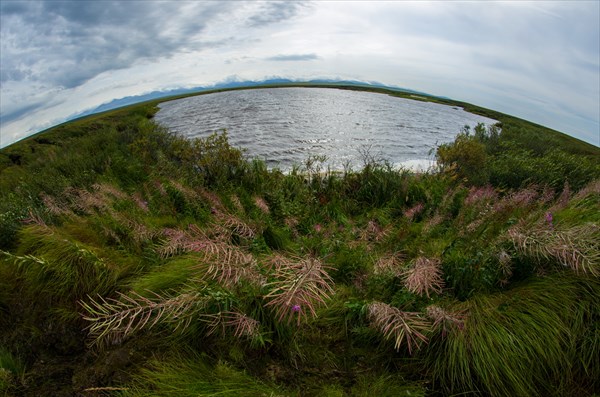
<point x="296" y="308"/>
<point x="318" y="228"/>
<point x="548" y="218"/>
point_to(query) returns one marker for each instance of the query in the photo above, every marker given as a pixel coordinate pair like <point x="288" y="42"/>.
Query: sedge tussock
<point x="112" y="320"/>
<point x="415" y="210"/>
<point x="301" y="286"/>
<point x="424" y="276"/>
<point x="577" y="248"/>
<point x="481" y="194"/>
<point x="398" y="325"/>
<point x="106" y="189"/>
<point x="517" y="343"/>
<point x="374" y="232"/>
<point x="88" y="202"/>
<point x="188" y="374"/>
<point x="55" y="207"/>
<point x="228" y="265"/>
<point x="591" y="188"/>
<point x="140" y="202"/>
<point x="236" y="226"/>
<point x="235" y="200"/>
<point x="445" y="320"/>
<point x="242" y="325"/>
<point x="179" y="241"/>
<point x="262" y="205"/>
<point x="66" y="268"/>
<point x="389" y="264"/>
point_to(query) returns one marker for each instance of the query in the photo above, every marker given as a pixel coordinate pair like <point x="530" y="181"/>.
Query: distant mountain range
<point x="130" y="100"/>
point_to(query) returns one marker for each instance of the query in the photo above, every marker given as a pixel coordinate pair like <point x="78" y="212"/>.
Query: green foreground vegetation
<point x="137" y="263"/>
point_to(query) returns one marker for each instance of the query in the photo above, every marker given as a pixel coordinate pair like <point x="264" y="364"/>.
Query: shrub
<point x="465" y="157"/>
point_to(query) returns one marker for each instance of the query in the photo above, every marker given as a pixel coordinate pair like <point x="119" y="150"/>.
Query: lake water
<point x="284" y="126"/>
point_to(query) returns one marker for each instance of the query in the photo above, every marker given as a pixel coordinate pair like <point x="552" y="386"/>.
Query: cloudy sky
<point x="536" y="60"/>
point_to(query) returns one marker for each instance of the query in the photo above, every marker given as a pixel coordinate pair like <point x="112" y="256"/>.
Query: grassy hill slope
<point x="137" y="263"/>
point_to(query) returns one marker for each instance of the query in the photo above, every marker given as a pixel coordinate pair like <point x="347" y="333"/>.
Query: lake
<point x="284" y="126"/>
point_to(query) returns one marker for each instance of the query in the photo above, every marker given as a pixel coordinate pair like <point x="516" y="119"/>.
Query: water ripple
<point x="284" y="126"/>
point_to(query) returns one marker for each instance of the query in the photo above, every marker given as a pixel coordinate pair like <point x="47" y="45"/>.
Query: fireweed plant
<point x="137" y="263"/>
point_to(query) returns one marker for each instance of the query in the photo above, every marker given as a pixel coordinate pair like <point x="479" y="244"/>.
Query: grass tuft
<point x="112" y="320"/>
<point x="424" y="277"/>
<point x="398" y="325"/>
<point x="300" y="286"/>
<point x="194" y="376"/>
<point x="518" y="343"/>
<point x="577" y="247"/>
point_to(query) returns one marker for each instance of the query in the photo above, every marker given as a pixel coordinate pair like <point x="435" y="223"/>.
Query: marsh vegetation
<point x="137" y="263"/>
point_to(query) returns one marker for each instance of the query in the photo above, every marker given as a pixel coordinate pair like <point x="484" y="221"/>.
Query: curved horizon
<point x="62" y="59"/>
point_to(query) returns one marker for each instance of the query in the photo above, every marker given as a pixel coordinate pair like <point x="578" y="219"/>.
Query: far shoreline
<point x="570" y="141"/>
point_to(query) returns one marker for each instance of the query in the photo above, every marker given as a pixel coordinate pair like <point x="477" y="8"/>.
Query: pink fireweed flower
<point x="548" y="218"/>
<point x="296" y="308"/>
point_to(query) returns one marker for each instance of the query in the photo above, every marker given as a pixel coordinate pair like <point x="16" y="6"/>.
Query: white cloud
<point x="536" y="60"/>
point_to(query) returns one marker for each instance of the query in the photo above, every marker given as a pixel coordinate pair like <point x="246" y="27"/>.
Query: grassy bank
<point x="137" y="263"/>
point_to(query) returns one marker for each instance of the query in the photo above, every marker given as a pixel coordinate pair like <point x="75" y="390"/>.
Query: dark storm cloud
<point x="13" y="7"/>
<point x="6" y="118"/>
<point x="537" y="60"/>
<point x="68" y="43"/>
<point x="273" y="12"/>
<point x="294" y="57"/>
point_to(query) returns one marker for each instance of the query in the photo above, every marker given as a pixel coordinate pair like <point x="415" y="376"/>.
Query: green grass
<point x="266" y="280"/>
<point x="11" y="372"/>
<point x="178" y="375"/>
<point x="518" y="343"/>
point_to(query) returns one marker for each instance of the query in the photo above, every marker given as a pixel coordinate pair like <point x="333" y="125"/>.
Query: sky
<point x="536" y="60"/>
